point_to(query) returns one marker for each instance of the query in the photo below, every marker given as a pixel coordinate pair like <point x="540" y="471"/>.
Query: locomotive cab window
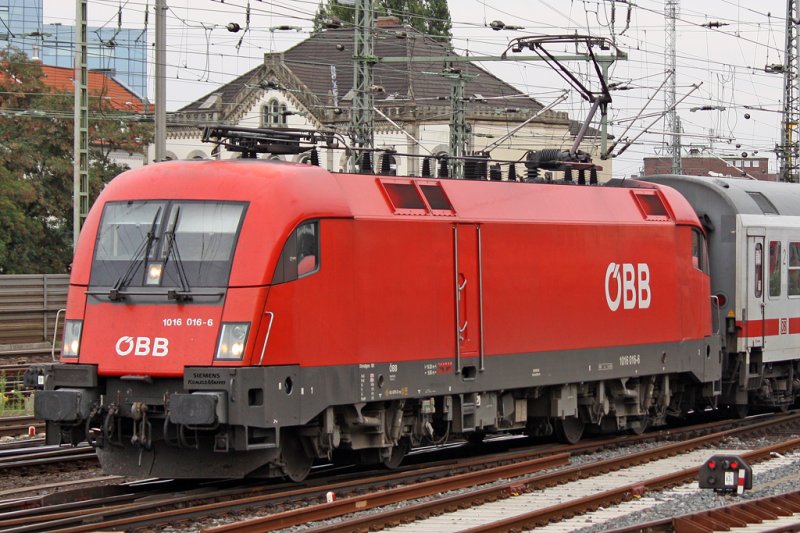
<point x="699" y="253"/>
<point x="794" y="269"/>
<point x="300" y="255"/>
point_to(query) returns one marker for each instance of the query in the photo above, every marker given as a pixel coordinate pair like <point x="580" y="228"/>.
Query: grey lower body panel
<point x="315" y="388"/>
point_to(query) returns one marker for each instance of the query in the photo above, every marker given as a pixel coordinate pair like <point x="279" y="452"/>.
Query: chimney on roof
<point x="387" y="22"/>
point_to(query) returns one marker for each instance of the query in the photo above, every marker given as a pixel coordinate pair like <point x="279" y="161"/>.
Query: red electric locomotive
<point x="246" y="317"/>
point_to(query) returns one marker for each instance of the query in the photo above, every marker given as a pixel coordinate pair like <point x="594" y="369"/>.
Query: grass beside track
<point x="13" y="400"/>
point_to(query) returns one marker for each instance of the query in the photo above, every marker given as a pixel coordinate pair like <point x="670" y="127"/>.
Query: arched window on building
<point x="304" y="158"/>
<point x="273" y="114"/>
<point x="197" y="155"/>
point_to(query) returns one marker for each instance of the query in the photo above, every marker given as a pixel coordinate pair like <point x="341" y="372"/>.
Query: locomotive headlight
<point x="154" y="274"/>
<point x="72" y="338"/>
<point x="232" y="339"/>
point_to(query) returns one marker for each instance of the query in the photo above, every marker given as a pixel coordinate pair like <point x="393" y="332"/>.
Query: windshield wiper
<point x="172" y="251"/>
<point x="143" y="250"/>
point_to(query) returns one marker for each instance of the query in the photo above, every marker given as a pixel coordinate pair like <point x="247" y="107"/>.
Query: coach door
<point x="753" y="315"/>
<point x="468" y="290"/>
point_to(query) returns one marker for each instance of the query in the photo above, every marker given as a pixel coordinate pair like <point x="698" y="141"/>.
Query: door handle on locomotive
<point x="461" y="330"/>
<point x="461" y="287"/>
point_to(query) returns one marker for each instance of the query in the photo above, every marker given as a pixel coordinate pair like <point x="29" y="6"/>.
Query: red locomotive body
<point x="252" y="316"/>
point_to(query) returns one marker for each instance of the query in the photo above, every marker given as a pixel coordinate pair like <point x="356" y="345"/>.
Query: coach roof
<point x="743" y="196"/>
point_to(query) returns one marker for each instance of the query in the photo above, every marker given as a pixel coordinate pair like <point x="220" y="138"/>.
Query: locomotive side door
<point x="755" y="302"/>
<point x="468" y="290"/>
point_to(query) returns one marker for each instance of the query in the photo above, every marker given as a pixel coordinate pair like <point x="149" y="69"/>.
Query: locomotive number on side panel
<point x="630" y="360"/>
<point x="178" y="322"/>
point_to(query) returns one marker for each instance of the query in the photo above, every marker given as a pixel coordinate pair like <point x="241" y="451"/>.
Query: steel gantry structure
<point x="788" y="151"/>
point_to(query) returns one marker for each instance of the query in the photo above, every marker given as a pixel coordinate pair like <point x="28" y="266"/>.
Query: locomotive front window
<point x="203" y="235"/>
<point x="125" y="227"/>
<point x="169" y="244"/>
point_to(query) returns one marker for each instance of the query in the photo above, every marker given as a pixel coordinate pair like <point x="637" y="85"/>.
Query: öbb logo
<point x="632" y="286"/>
<point x="142" y="346"/>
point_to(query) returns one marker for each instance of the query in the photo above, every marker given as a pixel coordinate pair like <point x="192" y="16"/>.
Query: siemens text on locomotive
<point x="247" y="317"/>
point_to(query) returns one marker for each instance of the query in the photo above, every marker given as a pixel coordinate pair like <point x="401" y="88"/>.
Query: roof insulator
<point x="444" y="171"/>
<point x="366" y="163"/>
<point x="386" y="164"/>
<point x="426" y="168"/>
<point x="495" y="174"/>
<point x="470" y="169"/>
<point x="512" y="172"/>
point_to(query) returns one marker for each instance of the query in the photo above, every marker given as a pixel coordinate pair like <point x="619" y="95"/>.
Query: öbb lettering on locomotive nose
<point x="142" y="346"/>
<point x="293" y="314"/>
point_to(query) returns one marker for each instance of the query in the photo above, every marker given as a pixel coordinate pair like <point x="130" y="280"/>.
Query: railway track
<point x="14" y="361"/>
<point x="288" y="504"/>
<point x="518" y="504"/>
<point x="13" y="426"/>
<point x="773" y="513"/>
<point x="14" y="459"/>
<point x="24" y="355"/>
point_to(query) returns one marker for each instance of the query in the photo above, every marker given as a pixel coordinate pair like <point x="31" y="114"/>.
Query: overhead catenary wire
<point x="752" y="85"/>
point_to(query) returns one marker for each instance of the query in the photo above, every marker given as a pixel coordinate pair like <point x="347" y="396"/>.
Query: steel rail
<point x="18" y="425"/>
<point x="742" y="514"/>
<point x="61" y="455"/>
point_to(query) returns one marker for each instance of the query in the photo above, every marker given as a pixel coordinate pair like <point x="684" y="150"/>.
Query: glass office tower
<point x="122" y="52"/>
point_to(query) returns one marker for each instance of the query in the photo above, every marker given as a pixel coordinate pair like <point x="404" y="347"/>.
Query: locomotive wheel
<point x="568" y="430"/>
<point x="296" y="464"/>
<point x="639" y="425"/>
<point x="398" y="454"/>
<point x="741" y="410"/>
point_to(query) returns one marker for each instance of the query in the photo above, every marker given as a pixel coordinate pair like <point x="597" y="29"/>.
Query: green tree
<point x="438" y="19"/>
<point x="431" y="17"/>
<point x="36" y="172"/>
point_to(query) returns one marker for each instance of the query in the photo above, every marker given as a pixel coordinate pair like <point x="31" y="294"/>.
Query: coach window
<point x="794" y="269"/>
<point x="774" y="268"/>
<point x="699" y="255"/>
<point x="300" y="255"/>
<point x="758" y="287"/>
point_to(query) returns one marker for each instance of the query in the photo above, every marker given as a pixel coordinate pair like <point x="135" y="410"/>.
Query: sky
<point x="734" y="111"/>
